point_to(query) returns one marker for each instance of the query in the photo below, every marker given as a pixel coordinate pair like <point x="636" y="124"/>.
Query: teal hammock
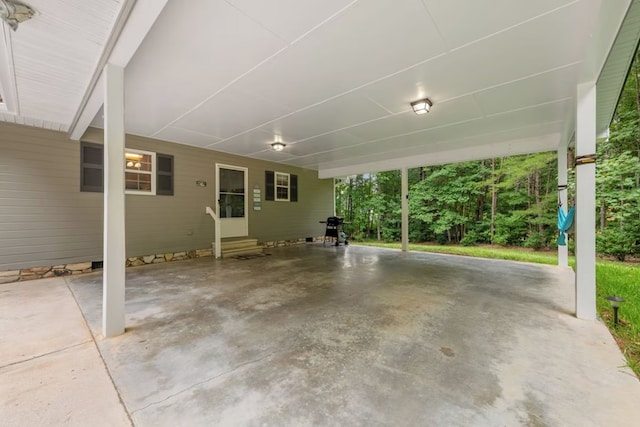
<point x="565" y="221"/>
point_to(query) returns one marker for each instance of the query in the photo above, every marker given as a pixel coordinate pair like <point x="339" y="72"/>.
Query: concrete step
<point x="236" y="247"/>
<point x="235" y="244"/>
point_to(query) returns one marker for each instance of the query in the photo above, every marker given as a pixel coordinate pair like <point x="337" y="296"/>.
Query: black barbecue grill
<point x="334" y="230"/>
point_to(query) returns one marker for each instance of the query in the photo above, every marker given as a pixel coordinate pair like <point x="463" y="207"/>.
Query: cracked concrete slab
<point x="315" y="335"/>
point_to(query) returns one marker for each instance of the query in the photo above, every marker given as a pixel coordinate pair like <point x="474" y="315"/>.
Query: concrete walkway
<point x="314" y="335"/>
<point x="51" y="373"/>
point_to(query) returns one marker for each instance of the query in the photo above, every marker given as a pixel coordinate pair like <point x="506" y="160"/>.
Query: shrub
<point x="471" y="238"/>
<point x="616" y="241"/>
<point x="442" y="238"/>
<point x="501" y="239"/>
<point x="535" y="241"/>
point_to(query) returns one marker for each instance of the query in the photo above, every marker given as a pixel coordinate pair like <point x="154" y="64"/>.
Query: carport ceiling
<point x="334" y="79"/>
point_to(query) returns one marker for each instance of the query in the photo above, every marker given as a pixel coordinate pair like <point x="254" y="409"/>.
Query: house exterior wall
<point x="46" y="220"/>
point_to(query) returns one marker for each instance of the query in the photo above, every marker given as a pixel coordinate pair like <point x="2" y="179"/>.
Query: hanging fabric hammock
<point x="565" y="221"/>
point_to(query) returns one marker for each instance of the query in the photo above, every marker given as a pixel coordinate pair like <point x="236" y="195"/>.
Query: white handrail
<point x="216" y="221"/>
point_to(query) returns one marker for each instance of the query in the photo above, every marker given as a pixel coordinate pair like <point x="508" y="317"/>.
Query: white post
<point x="563" y="251"/>
<point x="405" y="209"/>
<point x="216" y="224"/>
<point x="586" y="202"/>
<point x="113" y="280"/>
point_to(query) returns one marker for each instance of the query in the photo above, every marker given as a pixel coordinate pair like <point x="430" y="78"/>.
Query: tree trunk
<point x="482" y="198"/>
<point x="603" y="215"/>
<point x="538" y="200"/>
<point x="637" y="85"/>
<point x="494" y="198"/>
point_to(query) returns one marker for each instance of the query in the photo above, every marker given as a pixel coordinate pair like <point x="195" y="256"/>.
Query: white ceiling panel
<point x="231" y="112"/>
<point x="181" y="67"/>
<point x="186" y="136"/>
<point x="453" y="17"/>
<point x="541" y="89"/>
<point x="332" y="141"/>
<point x="446" y="113"/>
<point x="512" y="123"/>
<point x="344" y="111"/>
<point x="247" y="143"/>
<point x="538" y="143"/>
<point x="369" y="41"/>
<point x="273" y="156"/>
<point x="479" y="67"/>
<point x="300" y="16"/>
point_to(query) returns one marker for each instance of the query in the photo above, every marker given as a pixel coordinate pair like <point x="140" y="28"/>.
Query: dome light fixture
<point x="278" y="146"/>
<point x="422" y="106"/>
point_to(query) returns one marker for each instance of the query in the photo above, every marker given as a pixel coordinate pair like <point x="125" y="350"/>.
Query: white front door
<point x="231" y="193"/>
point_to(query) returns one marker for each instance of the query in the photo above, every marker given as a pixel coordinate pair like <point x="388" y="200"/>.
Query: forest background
<point x="510" y="201"/>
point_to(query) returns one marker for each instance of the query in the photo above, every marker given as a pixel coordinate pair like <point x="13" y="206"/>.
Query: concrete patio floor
<point x="314" y="335"/>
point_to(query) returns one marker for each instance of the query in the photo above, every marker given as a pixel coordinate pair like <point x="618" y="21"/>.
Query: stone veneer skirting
<point x="85" y="267"/>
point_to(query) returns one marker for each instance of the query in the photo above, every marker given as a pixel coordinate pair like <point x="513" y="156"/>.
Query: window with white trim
<point x="139" y="172"/>
<point x="139" y="168"/>
<point x="282" y="186"/>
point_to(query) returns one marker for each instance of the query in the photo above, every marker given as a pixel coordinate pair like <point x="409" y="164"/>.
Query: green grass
<point x="615" y="278"/>
<point x="612" y="278"/>
<point x="523" y="255"/>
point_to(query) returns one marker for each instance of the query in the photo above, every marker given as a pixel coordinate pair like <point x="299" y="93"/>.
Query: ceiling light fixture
<point x="422" y="106"/>
<point x="278" y="146"/>
<point x="14" y="12"/>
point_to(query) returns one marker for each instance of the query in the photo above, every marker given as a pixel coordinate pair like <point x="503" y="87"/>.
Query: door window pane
<point x="232" y="194"/>
<point x="231" y="205"/>
<point x="231" y="181"/>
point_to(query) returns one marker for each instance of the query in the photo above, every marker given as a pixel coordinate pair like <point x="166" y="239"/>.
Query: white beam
<point x="585" y="202"/>
<point x="113" y="280"/>
<point x="563" y="251"/>
<point x="405" y="209"/>
<point x="480" y="152"/>
<point x="135" y="19"/>
<point x="91" y="108"/>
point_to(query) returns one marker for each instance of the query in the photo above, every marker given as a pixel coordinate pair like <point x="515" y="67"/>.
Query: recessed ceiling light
<point x="278" y="146"/>
<point x="421" y="107"/>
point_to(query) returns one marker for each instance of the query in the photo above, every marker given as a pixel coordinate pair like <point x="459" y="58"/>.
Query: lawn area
<point x="612" y="278"/>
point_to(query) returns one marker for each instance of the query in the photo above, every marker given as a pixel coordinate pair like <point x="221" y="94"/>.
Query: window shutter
<point x="293" y="182"/>
<point x="269" y="185"/>
<point x="91" y="167"/>
<point x="164" y="175"/>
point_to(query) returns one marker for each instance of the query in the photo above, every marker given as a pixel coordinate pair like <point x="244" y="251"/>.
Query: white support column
<point x="113" y="280"/>
<point x="405" y="209"/>
<point x="563" y="251"/>
<point x="586" y="203"/>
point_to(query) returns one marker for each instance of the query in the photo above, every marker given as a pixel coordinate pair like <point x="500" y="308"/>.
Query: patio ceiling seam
<point x="400" y="112"/>
<point x="255" y="67"/>
<point x="452" y="142"/>
<point x="511" y="27"/>
<point x="331" y="99"/>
